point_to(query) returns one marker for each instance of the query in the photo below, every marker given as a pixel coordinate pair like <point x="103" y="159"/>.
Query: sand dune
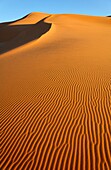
<point x="55" y="92"/>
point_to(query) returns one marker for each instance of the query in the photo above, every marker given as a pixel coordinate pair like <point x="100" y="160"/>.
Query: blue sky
<point x="14" y="9"/>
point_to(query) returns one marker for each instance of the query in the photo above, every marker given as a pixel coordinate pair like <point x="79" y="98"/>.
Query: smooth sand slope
<point x="55" y="92"/>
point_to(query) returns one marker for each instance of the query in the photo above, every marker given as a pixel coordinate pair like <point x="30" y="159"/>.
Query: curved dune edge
<point x="14" y="36"/>
<point x="55" y="96"/>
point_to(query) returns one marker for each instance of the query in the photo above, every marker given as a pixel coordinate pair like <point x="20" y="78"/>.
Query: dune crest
<point x="55" y="92"/>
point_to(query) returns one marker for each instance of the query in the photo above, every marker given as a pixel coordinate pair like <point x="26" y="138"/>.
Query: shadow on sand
<point x="17" y="35"/>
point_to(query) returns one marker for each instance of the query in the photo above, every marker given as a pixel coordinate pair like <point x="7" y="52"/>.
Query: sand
<point x="55" y="74"/>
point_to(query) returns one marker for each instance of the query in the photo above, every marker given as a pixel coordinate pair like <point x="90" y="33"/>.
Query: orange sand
<point x="55" y="74"/>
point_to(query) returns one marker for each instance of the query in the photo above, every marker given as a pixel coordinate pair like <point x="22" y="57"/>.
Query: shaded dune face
<point x="55" y="93"/>
<point x="16" y="35"/>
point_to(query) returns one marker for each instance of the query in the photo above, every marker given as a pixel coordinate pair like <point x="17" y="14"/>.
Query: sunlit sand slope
<point x="55" y="92"/>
